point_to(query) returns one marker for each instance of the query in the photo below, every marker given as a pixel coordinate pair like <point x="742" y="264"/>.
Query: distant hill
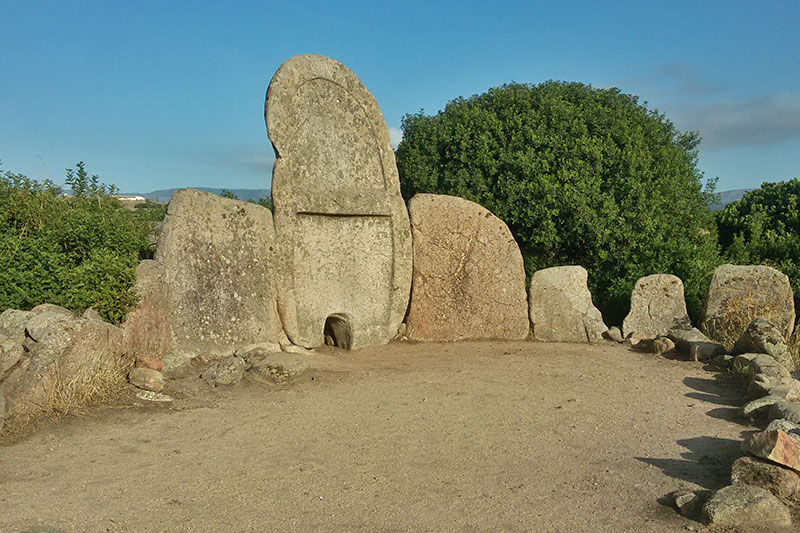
<point x="726" y="197"/>
<point x="245" y="195"/>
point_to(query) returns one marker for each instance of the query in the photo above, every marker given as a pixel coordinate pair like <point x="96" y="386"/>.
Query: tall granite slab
<point x="218" y="257"/>
<point x="657" y="306"/>
<point x="344" y="234"/>
<point x="468" y="276"/>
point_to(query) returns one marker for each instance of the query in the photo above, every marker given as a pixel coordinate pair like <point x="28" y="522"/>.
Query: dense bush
<point x="78" y="252"/>
<point x="581" y="175"/>
<point x="764" y="228"/>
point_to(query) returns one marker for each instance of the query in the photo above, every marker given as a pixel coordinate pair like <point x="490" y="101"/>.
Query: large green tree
<point x="764" y="228"/>
<point x="581" y="175"/>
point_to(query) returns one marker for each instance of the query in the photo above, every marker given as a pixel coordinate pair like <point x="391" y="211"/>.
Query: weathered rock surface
<point x="786" y="410"/>
<point x="260" y="348"/>
<point x="790" y="428"/>
<point x="762" y="336"/>
<point x="768" y="366"/>
<point x="12" y="324"/>
<point x="468" y="275"/>
<point x="90" y="313"/>
<point x="657" y="305"/>
<point x="693" y="343"/>
<point x="745" y="506"/>
<point x="147" y="327"/>
<point x="61" y="352"/>
<point x="345" y="240"/>
<point x="52" y="308"/>
<point x="781" y="481"/>
<point x="218" y="257"/>
<point x="740" y="293"/>
<point x="776" y="446"/>
<point x="149" y="361"/>
<point x="561" y="307"/>
<point x="229" y="371"/>
<point x="279" y="367"/>
<point x="147" y="379"/>
<point x="176" y="365"/>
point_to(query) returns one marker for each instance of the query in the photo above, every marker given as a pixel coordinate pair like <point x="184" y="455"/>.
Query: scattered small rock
<point x="638" y="340"/>
<point x="613" y="334"/>
<point x="776" y="446"/>
<point x="745" y="506"/>
<point x="175" y="365"/>
<point x="147" y="379"/>
<point x="229" y="371"/>
<point x="149" y="361"/>
<point x="281" y="366"/>
<point x="663" y="345"/>
<point x="688" y="502"/>
<point x="151" y="396"/>
<point x="781" y="481"/>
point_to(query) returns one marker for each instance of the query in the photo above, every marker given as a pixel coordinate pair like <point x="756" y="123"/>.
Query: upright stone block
<point x="561" y="307"/>
<point x="469" y="277"/>
<point x="218" y="257"/>
<point x="740" y="293"/>
<point x="345" y="239"/>
<point x="657" y="305"/>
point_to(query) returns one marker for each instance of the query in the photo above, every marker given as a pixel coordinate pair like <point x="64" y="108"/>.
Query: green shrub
<point x="78" y="252"/>
<point x="764" y="228"/>
<point x="581" y="175"/>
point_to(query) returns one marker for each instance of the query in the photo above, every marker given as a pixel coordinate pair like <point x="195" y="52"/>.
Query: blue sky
<point x="168" y="94"/>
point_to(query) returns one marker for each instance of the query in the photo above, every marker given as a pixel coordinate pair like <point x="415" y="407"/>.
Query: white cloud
<point x="395" y="136"/>
<point x="761" y="120"/>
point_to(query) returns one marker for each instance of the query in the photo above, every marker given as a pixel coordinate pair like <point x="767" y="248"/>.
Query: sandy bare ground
<point x="480" y="436"/>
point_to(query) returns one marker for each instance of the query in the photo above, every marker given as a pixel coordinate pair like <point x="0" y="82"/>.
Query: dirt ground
<point x="476" y="436"/>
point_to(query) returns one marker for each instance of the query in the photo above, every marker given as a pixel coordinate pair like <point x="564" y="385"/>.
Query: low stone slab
<point x="561" y="307"/>
<point x="762" y="336"/>
<point x="657" y="305"/>
<point x="781" y="481"/>
<point x="745" y="506"/>
<point x="279" y="367"/>
<point x="468" y="275"/>
<point x="776" y="446"/>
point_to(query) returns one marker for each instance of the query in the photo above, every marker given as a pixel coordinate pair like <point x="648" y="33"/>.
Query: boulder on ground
<point x="781" y="481"/>
<point x="738" y="294"/>
<point x="468" y="273"/>
<point x="745" y="506"/>
<point x="776" y="446"/>
<point x="657" y="305"/>
<point x="762" y="336"/>
<point x="229" y="371"/>
<point x="52" y="308"/>
<point x="786" y="410"/>
<point x="345" y="239"/>
<point x="176" y="365"/>
<point x="147" y="379"/>
<point x="768" y="366"/>
<point x="278" y="367"/>
<point x="561" y="307"/>
<point x="219" y="258"/>
<point x="61" y="356"/>
<point x="12" y="324"/>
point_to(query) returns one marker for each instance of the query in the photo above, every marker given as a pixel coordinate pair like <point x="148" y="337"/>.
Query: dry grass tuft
<point x="105" y="384"/>
<point x="738" y="314"/>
